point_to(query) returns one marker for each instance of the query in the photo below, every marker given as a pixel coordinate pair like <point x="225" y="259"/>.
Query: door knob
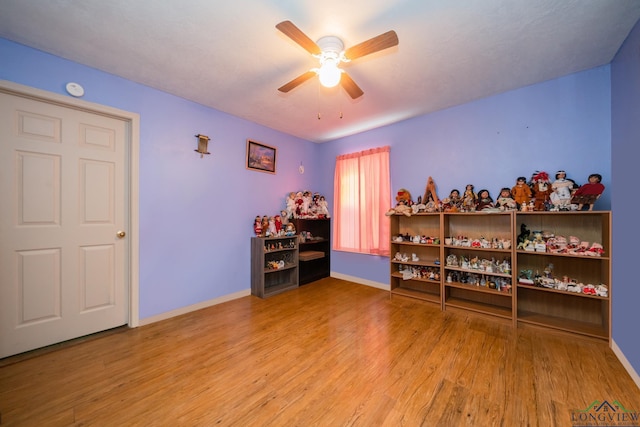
<point x="121" y="234"/>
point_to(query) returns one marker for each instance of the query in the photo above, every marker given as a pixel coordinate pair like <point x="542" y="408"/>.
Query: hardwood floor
<point x="331" y="353"/>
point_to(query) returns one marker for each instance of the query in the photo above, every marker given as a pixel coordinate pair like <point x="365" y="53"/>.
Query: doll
<point x="291" y="206"/>
<point x="589" y="192"/>
<point x="298" y="205"/>
<point x="453" y="203"/>
<point x="306" y="203"/>
<point x="257" y="226"/>
<point x="469" y="198"/>
<point x="541" y="190"/>
<point x="278" y="223"/>
<point x="323" y="207"/>
<point x="562" y="189"/>
<point x="505" y="202"/>
<point x="284" y="217"/>
<point x="484" y="200"/>
<point x="521" y="192"/>
<point x="272" y="226"/>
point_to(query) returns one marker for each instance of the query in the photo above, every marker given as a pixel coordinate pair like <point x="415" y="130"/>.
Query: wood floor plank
<point x="331" y="353"/>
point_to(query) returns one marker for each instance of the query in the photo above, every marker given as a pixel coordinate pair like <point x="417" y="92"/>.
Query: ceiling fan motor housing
<point x="331" y="47"/>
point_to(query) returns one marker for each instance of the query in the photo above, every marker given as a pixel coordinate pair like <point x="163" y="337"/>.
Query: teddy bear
<point x="403" y="203"/>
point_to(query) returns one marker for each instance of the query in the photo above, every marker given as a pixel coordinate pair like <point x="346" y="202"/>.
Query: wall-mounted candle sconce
<point x="203" y="141"/>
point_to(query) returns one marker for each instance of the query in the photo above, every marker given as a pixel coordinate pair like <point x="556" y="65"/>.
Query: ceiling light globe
<point x="329" y="74"/>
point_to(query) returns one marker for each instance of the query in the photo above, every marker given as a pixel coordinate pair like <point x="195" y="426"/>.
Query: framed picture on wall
<point x="261" y="157"/>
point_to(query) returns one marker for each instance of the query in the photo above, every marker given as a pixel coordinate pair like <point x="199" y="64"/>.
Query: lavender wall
<point x="196" y="214"/>
<point x="625" y="134"/>
<point x="559" y="124"/>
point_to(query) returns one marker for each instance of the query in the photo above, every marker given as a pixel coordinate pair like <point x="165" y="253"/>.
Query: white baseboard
<point x="194" y="307"/>
<point x="361" y="281"/>
<point x="634" y="375"/>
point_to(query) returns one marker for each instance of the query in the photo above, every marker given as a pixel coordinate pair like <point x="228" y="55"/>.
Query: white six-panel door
<point x="63" y="223"/>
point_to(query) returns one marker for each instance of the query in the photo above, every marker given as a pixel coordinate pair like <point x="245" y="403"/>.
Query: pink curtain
<point x="361" y="197"/>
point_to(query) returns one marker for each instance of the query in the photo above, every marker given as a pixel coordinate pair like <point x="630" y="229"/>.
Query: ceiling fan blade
<point x="350" y="86"/>
<point x="383" y="41"/>
<point x="295" y="34"/>
<point x="297" y="81"/>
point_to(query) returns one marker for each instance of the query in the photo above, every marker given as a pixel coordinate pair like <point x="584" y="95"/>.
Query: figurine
<point x="524" y="235"/>
<point x="541" y="190"/>
<point x="430" y="193"/>
<point x="589" y="192"/>
<point x="562" y="190"/>
<point x="469" y="198"/>
<point x="505" y="202"/>
<point x="484" y="200"/>
<point x="521" y="192"/>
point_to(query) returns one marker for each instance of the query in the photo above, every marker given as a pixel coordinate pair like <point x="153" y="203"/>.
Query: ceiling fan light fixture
<point x="329" y="73"/>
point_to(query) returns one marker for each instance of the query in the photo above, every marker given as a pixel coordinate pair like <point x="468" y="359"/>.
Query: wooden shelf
<point x="595" y="258"/>
<point x="275" y="270"/>
<point x="470" y="270"/>
<point x="478" y="289"/>
<point x="578" y="313"/>
<point x="267" y="281"/>
<point x="562" y="324"/>
<point x="557" y="291"/>
<point x="479" y="307"/>
<point x="417" y="294"/>
<point x="277" y="289"/>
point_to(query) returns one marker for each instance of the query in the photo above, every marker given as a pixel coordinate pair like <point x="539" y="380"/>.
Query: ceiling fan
<point x="330" y="52"/>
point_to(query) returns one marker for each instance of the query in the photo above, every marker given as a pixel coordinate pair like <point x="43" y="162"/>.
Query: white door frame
<point x="131" y="167"/>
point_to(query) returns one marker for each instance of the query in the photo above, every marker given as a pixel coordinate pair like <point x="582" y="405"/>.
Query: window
<point x="361" y="198"/>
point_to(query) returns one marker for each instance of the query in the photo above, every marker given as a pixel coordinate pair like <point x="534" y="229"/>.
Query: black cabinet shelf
<point x="315" y="252"/>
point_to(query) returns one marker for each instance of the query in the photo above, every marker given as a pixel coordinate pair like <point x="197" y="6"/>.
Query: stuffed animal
<point x="403" y="203"/>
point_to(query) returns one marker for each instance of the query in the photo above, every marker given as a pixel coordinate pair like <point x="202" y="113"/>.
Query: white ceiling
<point x="229" y="55"/>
